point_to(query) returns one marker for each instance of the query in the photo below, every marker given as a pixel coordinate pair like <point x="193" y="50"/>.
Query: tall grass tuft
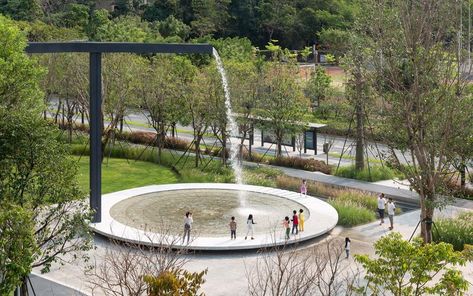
<point x="352" y="213"/>
<point x="456" y="231"/>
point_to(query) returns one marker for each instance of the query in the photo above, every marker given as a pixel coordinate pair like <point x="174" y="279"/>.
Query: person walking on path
<point x="249" y="225"/>
<point x="287" y="228"/>
<point x="391" y="209"/>
<point x="303" y="188"/>
<point x="347" y="246"/>
<point x="301" y="220"/>
<point x="187" y="226"/>
<point x="233" y="226"/>
<point x="295" y="222"/>
<point x="381" y="207"/>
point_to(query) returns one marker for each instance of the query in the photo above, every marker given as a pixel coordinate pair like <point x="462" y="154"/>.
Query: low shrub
<point x="373" y="174"/>
<point x="456" y="231"/>
<point x="351" y="213"/>
<point x="311" y="164"/>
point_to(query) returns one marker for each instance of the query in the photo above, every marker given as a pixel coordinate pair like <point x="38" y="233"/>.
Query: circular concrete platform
<point x="124" y="216"/>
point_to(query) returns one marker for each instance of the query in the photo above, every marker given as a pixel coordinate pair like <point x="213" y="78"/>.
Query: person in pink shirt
<point x="303" y="188"/>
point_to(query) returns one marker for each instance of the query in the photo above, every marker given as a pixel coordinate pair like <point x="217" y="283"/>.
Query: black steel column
<point x="95" y="76"/>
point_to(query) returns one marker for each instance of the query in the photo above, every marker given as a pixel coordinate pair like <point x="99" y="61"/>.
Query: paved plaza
<point x="227" y="271"/>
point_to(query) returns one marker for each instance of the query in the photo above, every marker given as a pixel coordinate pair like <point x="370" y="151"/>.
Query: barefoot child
<point x="233" y="227"/>
<point x="304" y="188"/>
<point x="301" y="220"/>
<point x="249" y="225"/>
<point x="285" y="224"/>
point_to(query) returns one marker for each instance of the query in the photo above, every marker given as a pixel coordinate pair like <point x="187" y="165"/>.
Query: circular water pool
<point x="138" y="215"/>
<point x="211" y="209"/>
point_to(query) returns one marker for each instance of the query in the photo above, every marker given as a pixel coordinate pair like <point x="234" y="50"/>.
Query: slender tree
<point x="413" y="60"/>
<point x="282" y="104"/>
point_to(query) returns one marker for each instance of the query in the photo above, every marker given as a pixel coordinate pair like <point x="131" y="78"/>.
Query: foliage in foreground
<point x="17" y="246"/>
<point x="408" y="268"/>
<point x="175" y="282"/>
<point x="456" y="231"/>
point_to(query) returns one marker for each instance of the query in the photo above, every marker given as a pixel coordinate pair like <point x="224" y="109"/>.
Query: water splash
<point x="232" y="126"/>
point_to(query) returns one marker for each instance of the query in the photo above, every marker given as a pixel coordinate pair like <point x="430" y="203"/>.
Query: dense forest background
<point x="296" y="24"/>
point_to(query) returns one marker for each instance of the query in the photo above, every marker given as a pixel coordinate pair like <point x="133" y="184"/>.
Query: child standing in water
<point x="285" y="224"/>
<point x="301" y="220"/>
<point x="304" y="188"/>
<point x="249" y="225"/>
<point x="233" y="227"/>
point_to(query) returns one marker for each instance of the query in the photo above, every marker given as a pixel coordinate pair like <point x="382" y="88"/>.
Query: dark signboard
<point x="309" y="140"/>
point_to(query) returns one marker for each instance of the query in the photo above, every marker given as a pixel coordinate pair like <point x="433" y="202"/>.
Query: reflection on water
<point x="211" y="208"/>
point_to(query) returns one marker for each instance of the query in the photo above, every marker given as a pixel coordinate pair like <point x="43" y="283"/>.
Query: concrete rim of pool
<point x="322" y="218"/>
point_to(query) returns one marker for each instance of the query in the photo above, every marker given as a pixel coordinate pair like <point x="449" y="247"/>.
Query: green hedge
<point x="456" y="231"/>
<point x="373" y="174"/>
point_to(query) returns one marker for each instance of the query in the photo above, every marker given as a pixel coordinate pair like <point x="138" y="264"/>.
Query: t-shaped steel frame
<point x="95" y="50"/>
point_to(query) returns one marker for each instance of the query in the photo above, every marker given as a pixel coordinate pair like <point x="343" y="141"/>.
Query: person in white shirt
<point x="187" y="226"/>
<point x="249" y="225"/>
<point x="347" y="246"/>
<point x="391" y="210"/>
<point x="381" y="207"/>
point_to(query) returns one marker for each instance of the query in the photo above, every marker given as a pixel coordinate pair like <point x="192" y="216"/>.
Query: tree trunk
<point x="224" y="148"/>
<point x="121" y="124"/>
<point x="24" y="287"/>
<point x="360" y="128"/>
<point x="57" y="111"/>
<point x="427" y="214"/>
<point x="197" y="151"/>
<point x="462" y="174"/>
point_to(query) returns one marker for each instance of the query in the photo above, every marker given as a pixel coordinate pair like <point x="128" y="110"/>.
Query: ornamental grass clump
<point x="456" y="231"/>
<point x="351" y="213"/>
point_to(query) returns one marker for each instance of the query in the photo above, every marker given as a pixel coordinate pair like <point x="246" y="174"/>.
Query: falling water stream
<point x="233" y="128"/>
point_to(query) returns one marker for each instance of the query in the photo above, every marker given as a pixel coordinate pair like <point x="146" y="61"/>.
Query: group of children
<point x="297" y="223"/>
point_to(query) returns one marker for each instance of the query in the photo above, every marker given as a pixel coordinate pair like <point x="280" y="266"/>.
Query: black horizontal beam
<point x="104" y="47"/>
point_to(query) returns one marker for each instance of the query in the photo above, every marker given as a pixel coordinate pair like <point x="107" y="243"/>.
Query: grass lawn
<point x="118" y="174"/>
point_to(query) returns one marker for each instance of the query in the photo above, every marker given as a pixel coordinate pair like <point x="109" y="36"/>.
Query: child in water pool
<point x="233" y="226"/>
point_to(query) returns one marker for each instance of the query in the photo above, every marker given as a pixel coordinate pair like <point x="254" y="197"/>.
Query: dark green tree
<point x="160" y="10"/>
<point x="27" y="10"/>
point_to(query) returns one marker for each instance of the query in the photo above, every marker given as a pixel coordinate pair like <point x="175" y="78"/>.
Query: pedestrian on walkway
<point x="381" y="207"/>
<point x="347" y="246"/>
<point x="287" y="228"/>
<point x="233" y="226"/>
<point x="303" y="188"/>
<point x="249" y="225"/>
<point x="295" y="222"/>
<point x="301" y="220"/>
<point x="187" y="226"/>
<point x="391" y="210"/>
